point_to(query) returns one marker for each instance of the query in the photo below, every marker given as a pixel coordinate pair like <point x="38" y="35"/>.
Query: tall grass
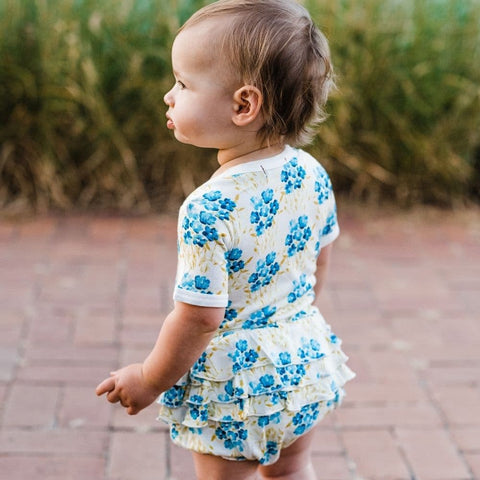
<point x="81" y="89"/>
<point x="82" y="114"/>
<point x="405" y="120"/>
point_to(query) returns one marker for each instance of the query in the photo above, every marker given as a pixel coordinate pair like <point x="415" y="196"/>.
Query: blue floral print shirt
<point x="248" y="239"/>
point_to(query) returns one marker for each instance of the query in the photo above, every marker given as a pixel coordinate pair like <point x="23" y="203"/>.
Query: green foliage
<point x="405" y="120"/>
<point x="83" y="119"/>
<point x="81" y="100"/>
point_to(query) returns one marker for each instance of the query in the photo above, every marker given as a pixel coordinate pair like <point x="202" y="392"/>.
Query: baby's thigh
<point x="210" y="467"/>
<point x="292" y="459"/>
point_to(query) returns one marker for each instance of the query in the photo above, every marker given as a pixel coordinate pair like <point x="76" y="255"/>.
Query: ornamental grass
<point x="83" y="119"/>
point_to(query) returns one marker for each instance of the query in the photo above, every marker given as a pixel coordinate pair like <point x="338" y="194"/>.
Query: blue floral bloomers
<point x="248" y="240"/>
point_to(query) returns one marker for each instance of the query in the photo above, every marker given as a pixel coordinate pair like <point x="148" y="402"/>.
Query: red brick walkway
<point x="81" y="296"/>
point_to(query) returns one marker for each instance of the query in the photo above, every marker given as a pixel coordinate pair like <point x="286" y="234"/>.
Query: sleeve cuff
<point x="329" y="238"/>
<point x="199" y="299"/>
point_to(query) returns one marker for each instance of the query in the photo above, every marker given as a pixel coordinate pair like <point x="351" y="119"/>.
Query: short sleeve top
<point x="248" y="239"/>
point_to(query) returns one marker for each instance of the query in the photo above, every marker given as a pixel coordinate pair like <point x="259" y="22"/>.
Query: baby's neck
<point x="257" y="153"/>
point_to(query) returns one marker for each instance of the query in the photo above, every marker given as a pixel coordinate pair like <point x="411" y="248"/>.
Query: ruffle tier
<point x="260" y="372"/>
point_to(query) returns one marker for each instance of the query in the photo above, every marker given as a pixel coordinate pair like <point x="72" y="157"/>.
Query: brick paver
<point x="436" y="443"/>
<point x="375" y="454"/>
<point x="82" y="295"/>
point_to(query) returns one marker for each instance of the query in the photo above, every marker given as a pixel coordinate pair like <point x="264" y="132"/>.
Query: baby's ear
<point x="248" y="102"/>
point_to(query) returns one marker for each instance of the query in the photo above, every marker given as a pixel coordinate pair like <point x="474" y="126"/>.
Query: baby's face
<point x="201" y="101"/>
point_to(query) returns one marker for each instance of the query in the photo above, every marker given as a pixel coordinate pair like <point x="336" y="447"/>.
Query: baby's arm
<point x="185" y="334"/>
<point x="323" y="261"/>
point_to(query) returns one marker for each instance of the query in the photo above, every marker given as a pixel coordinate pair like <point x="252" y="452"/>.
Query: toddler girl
<point x="245" y="364"/>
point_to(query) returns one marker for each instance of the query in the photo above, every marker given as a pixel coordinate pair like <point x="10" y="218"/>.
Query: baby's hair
<point x="275" y="46"/>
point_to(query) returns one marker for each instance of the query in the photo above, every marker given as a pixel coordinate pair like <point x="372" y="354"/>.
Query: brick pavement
<point x="82" y="295"/>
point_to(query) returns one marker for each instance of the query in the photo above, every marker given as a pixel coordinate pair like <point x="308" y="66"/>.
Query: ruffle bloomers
<point x="253" y="392"/>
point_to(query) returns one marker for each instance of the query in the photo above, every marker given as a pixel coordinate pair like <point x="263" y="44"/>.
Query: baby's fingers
<point x="106" y="386"/>
<point x="132" y="410"/>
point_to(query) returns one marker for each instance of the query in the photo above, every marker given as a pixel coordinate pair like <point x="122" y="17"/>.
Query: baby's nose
<point x="168" y="98"/>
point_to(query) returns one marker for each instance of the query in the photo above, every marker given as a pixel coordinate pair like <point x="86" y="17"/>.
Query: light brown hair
<point x="275" y="46"/>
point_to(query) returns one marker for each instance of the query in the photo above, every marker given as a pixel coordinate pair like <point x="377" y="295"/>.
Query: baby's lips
<point x="170" y="123"/>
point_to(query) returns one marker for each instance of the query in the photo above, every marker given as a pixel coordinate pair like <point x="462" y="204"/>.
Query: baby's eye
<point x="180" y="84"/>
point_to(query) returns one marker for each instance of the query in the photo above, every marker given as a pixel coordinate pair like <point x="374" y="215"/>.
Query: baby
<point x="245" y="364"/>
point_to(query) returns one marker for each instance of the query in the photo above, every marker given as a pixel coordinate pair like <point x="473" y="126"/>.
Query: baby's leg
<point x="294" y="463"/>
<point x="209" y="467"/>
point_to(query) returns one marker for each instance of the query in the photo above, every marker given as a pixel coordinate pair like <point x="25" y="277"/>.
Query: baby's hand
<point x="128" y="387"/>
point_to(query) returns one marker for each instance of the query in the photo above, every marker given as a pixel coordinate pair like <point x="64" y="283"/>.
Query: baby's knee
<point x="285" y="470"/>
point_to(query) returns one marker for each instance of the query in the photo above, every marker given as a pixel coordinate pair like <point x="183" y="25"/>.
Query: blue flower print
<point x="310" y="349"/>
<point x="271" y="450"/>
<point x="323" y="185"/>
<point x="243" y="357"/>
<point x="266" y="269"/>
<point x="198" y="226"/>
<point x="222" y="207"/>
<point x="331" y="222"/>
<point x="213" y="196"/>
<point x="230" y="392"/>
<point x="265" y="420"/>
<point x="266" y="384"/>
<point x="292" y="175"/>
<point x="196" y="399"/>
<point x="285" y="358"/>
<point x="265" y="208"/>
<point x="306" y="418"/>
<point x="199" y="365"/>
<point x="267" y="381"/>
<point x="201" y="282"/>
<point x="301" y="287"/>
<point x="276" y="397"/>
<point x="199" y="412"/>
<point x="230" y="315"/>
<point x="260" y="318"/>
<point x="234" y="261"/>
<point x="335" y="401"/>
<point x="197" y="284"/>
<point x="298" y="236"/>
<point x="291" y="375"/>
<point x="173" y="397"/>
<point x="174" y="432"/>
<point x="299" y="315"/>
<point x="233" y="434"/>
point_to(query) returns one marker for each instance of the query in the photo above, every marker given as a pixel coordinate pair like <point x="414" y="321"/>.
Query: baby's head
<point x="274" y="46"/>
